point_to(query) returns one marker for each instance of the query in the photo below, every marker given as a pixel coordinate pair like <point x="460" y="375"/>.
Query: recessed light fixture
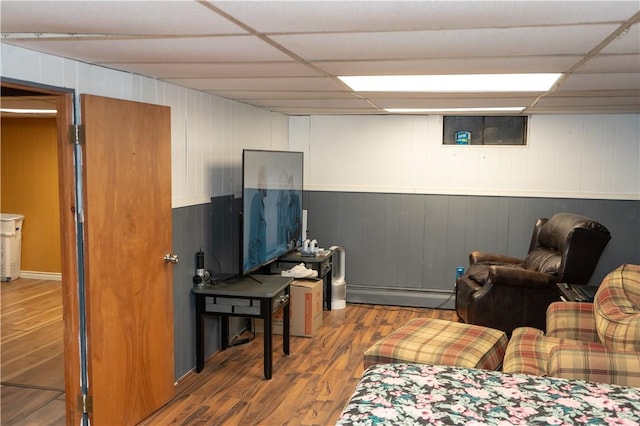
<point x="28" y="111"/>
<point x="452" y="110"/>
<point x="454" y="83"/>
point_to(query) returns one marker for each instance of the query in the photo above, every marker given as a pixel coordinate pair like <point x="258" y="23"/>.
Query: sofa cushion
<point x="528" y="351"/>
<point x="594" y="364"/>
<point x="440" y="342"/>
<point x="572" y="320"/>
<point x="617" y="309"/>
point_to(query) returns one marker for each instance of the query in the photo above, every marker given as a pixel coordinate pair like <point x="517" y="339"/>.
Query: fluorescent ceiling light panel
<point x="533" y="82"/>
<point x="447" y="110"/>
<point x="28" y="111"/>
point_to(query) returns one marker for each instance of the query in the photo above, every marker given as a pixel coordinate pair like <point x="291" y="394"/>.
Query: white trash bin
<point x="10" y="245"/>
<point x="338" y="283"/>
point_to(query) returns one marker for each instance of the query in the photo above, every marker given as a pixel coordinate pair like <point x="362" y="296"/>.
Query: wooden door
<point x="129" y="289"/>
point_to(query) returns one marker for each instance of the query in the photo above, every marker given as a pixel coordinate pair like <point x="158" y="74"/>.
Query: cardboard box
<point x="305" y="310"/>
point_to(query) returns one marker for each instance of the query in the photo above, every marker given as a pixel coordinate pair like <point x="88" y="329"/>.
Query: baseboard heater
<point x="419" y="298"/>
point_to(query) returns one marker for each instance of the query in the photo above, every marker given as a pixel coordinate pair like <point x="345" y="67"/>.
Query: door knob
<point x="171" y="258"/>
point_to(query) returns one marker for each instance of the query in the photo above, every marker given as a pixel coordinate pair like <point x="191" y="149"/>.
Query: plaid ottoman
<point x="440" y="342"/>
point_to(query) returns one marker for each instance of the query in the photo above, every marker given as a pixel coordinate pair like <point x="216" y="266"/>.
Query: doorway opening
<point x="13" y="91"/>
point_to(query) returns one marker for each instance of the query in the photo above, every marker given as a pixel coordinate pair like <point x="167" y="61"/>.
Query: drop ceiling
<point x="285" y="56"/>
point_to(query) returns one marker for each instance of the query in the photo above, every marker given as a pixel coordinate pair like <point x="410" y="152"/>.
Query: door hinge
<point x="85" y="403"/>
<point x="76" y="134"/>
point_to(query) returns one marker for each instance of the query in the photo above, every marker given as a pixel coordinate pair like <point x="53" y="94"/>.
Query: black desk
<point x="319" y="262"/>
<point x="260" y="297"/>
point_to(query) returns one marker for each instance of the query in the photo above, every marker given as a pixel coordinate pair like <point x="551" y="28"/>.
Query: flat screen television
<point x="271" y="206"/>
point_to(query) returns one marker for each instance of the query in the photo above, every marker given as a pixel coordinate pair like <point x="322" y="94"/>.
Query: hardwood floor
<point x="309" y="387"/>
<point x="32" y="359"/>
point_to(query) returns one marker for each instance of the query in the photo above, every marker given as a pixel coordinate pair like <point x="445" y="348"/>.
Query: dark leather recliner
<point x="504" y="292"/>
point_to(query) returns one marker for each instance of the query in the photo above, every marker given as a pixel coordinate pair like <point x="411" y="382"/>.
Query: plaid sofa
<point x="597" y="342"/>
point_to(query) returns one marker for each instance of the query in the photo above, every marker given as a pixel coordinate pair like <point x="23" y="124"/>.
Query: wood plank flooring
<point x="309" y="387"/>
<point x="32" y="359"/>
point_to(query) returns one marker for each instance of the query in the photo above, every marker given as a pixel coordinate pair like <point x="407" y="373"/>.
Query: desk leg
<point x="200" y="304"/>
<point x="267" y="317"/>
<point x="224" y="332"/>
<point x="285" y="329"/>
<point x="327" y="283"/>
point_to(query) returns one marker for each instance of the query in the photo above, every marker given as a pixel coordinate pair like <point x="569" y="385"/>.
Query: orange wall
<point x="30" y="187"/>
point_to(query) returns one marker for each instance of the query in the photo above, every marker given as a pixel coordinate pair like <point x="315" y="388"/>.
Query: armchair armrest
<point x="505" y="275"/>
<point x="481" y="257"/>
<point x="595" y="365"/>
<point x="572" y="320"/>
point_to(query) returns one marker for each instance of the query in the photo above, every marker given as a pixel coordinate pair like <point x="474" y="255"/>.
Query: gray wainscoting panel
<point x="212" y="228"/>
<point x="404" y="248"/>
<point x="433" y="233"/>
<point x="373" y="219"/>
<point x="225" y="234"/>
<point x="191" y="232"/>
<point x="401" y="249"/>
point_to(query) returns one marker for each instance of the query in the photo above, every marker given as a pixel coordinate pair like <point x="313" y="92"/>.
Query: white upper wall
<point x="208" y="133"/>
<point x="574" y="156"/>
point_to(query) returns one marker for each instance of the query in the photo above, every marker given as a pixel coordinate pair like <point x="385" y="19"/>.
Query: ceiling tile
<point x="453" y="103"/>
<point x="312" y="103"/>
<point x="249" y="50"/>
<point x="273" y="83"/>
<point x="450" y="65"/>
<point x="326" y="111"/>
<point x="611" y="63"/>
<point x="589" y="100"/>
<point x="447" y="43"/>
<point x="192" y="49"/>
<point x="610" y="81"/>
<point x="248" y="95"/>
<point x="583" y="109"/>
<point x="113" y="17"/>
<point x="627" y="42"/>
<point x="356" y="16"/>
<point x="217" y="70"/>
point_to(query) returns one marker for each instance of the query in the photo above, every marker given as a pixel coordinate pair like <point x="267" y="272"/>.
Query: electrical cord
<point x="445" y="302"/>
<point x="237" y="342"/>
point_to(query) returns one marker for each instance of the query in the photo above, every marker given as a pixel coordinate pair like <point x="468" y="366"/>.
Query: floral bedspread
<point x="415" y="394"/>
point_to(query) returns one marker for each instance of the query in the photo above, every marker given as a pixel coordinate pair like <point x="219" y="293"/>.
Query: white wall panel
<point x="576" y="156"/>
<point x="54" y="66"/>
<point x="175" y="97"/>
<point x="23" y="63"/>
<point x="220" y="154"/>
<point x="593" y="150"/>
<point x="207" y="133"/>
<point x="299" y="141"/>
<point x="626" y="148"/>
<point x="91" y="79"/>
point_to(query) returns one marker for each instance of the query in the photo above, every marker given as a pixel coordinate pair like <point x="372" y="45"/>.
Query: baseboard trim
<point x="37" y="275"/>
<point x="401" y="297"/>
